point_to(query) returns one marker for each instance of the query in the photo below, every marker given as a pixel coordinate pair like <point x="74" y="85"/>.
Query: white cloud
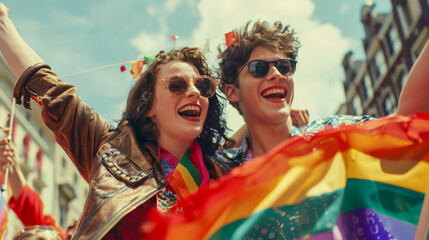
<point x="344" y="8"/>
<point x="152" y="10"/>
<point x="148" y="43"/>
<point x="168" y="7"/>
<point x="171" y="5"/>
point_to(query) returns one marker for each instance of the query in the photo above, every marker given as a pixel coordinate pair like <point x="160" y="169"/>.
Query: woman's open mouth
<point x="190" y="112"/>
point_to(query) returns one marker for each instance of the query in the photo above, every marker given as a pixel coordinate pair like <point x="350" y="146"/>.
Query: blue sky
<point x="74" y="36"/>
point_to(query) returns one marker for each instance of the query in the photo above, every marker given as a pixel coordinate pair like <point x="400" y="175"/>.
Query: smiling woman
<point x="161" y="151"/>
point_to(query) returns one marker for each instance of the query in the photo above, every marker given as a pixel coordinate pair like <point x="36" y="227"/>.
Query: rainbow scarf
<point x="355" y="182"/>
<point x="185" y="177"/>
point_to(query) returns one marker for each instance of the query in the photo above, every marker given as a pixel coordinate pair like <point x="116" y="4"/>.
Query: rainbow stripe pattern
<point x="3" y="217"/>
<point x="366" y="181"/>
<point x="190" y="173"/>
<point x="186" y="178"/>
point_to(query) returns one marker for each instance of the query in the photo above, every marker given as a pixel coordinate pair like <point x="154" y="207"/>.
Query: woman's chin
<point x="192" y="132"/>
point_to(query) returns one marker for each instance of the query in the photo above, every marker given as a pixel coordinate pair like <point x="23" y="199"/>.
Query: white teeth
<point x="274" y="91"/>
<point x="189" y="108"/>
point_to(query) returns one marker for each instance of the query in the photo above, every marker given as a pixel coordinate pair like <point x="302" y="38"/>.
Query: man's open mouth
<point x="274" y="93"/>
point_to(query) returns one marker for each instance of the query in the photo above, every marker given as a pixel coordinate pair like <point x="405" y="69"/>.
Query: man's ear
<point x="232" y="93"/>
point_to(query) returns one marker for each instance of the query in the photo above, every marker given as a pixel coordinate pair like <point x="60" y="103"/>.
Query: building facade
<point x="392" y="43"/>
<point x="45" y="165"/>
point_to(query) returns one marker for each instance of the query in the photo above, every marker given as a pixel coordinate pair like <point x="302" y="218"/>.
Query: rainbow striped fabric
<point x="186" y="177"/>
<point x="355" y="182"/>
<point x="3" y="217"/>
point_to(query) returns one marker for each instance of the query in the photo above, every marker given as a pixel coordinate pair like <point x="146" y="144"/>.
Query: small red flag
<point x="123" y="68"/>
<point x="231" y="38"/>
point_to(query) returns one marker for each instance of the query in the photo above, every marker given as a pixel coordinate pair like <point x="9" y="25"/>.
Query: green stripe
<point x="314" y="215"/>
<point x="190" y="167"/>
<point x="393" y="201"/>
<point x="319" y="214"/>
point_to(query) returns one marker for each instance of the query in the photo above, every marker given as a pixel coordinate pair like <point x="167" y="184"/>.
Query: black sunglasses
<point x="260" y="68"/>
<point x="178" y="85"/>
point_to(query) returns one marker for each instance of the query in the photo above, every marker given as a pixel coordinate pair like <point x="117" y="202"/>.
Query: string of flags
<point x="137" y="66"/>
<point x="146" y="60"/>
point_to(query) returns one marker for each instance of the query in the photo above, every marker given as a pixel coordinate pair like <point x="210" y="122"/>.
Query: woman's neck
<point x="263" y="138"/>
<point x="177" y="147"/>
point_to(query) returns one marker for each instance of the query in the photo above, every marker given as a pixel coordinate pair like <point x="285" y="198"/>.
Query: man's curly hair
<point x="279" y="38"/>
<point x="141" y="97"/>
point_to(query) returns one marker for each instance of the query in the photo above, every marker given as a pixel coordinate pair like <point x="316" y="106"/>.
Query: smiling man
<point x="257" y="78"/>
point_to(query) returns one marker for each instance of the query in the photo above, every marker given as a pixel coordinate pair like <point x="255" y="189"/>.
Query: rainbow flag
<point x="3" y="217"/>
<point x="355" y="182"/>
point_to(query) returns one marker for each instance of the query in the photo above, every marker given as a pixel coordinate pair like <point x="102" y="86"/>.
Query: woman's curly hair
<point x="279" y="38"/>
<point x="141" y="98"/>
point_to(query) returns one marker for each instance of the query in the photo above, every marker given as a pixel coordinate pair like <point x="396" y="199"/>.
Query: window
<point x="66" y="195"/>
<point x="64" y="209"/>
<point x="377" y="66"/>
<point x="389" y="104"/>
<point x="357" y="106"/>
<point x="63" y="169"/>
<point x="404" y="16"/>
<point x="373" y="69"/>
<point x="394" y="44"/>
<point x="75" y="179"/>
<point x="418" y="44"/>
<point x="368" y="32"/>
<point x="403" y="79"/>
<point x="367" y="86"/>
<point x="39" y="162"/>
<point x="380" y="63"/>
<point x="25" y="147"/>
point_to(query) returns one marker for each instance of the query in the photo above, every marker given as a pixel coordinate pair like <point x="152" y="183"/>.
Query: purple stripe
<point x="368" y="224"/>
<point x="320" y="236"/>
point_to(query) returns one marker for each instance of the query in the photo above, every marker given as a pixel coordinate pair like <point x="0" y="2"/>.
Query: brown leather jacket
<point x="121" y="174"/>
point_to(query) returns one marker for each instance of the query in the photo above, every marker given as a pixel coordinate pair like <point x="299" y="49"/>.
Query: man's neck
<point x="264" y="137"/>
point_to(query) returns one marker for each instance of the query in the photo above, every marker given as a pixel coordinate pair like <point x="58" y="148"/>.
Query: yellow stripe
<point x="187" y="178"/>
<point x="326" y="176"/>
<point x="407" y="174"/>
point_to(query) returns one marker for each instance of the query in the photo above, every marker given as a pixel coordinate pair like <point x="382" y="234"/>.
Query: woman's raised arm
<point x="15" y="50"/>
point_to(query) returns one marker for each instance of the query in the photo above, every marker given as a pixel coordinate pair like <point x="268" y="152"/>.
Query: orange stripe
<point x="187" y="177"/>
<point x="182" y="182"/>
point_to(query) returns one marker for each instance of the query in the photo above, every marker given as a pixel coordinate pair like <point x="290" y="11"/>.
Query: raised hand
<point x="300" y="117"/>
<point x="9" y="159"/>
